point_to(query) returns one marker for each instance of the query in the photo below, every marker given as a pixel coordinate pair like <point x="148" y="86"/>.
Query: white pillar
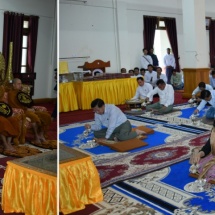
<point x="196" y="55"/>
<point x="122" y="31"/>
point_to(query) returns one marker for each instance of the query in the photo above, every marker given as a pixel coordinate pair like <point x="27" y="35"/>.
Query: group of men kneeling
<point x="112" y="124"/>
<point x="10" y="128"/>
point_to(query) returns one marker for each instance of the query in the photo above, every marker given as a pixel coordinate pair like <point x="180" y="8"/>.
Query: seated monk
<point x="9" y="125"/>
<point x="40" y="120"/>
<point x="204" y="158"/>
<point x="9" y="128"/>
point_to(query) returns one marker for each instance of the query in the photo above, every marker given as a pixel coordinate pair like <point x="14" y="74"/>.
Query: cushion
<point x="17" y="111"/>
<point x="39" y="108"/>
<point x="124" y="146"/>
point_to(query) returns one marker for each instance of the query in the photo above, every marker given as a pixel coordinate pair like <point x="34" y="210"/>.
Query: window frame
<point x="25" y="32"/>
<point x="158" y="27"/>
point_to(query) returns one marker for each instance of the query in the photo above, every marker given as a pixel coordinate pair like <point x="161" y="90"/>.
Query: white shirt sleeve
<point x="137" y="94"/>
<point x="153" y="92"/>
<point x="197" y="90"/>
<point x="170" y="96"/>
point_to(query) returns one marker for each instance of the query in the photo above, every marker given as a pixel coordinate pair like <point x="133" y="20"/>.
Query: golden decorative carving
<point x="9" y="74"/>
<point x="2" y="68"/>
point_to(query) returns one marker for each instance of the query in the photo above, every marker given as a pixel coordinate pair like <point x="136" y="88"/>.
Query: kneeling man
<point x="111" y="123"/>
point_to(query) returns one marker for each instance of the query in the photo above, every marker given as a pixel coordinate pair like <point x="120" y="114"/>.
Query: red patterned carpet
<point x="135" y="164"/>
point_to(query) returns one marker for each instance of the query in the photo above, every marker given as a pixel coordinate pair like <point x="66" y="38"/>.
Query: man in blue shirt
<point x="111" y="123"/>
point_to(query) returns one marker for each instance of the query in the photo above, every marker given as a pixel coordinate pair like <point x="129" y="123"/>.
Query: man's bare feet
<point x="37" y="140"/>
<point x="139" y="132"/>
<point x="9" y="147"/>
<point x="141" y="137"/>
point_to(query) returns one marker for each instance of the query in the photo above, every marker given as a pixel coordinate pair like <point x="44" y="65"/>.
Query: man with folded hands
<point x="111" y="123"/>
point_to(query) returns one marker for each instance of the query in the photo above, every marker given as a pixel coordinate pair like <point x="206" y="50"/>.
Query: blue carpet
<point x="71" y="135"/>
<point x="186" y="113"/>
<point x="177" y="178"/>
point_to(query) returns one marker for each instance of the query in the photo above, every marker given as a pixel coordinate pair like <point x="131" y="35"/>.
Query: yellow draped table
<point x="79" y="181"/>
<point x="67" y="97"/>
<point x="112" y="91"/>
<point x="30" y="189"/>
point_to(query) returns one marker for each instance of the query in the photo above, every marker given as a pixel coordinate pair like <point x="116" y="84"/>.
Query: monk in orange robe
<point x="9" y="125"/>
<point x="40" y="120"/>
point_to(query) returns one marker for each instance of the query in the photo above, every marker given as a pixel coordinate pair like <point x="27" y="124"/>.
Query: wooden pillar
<point x="193" y="76"/>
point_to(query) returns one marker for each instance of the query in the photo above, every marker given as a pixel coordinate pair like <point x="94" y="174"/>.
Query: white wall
<point x="113" y="29"/>
<point x="87" y="31"/>
<point x="46" y="53"/>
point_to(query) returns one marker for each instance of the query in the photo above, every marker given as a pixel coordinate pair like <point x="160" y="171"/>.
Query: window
<point x="24" y="62"/>
<point x="160" y="24"/>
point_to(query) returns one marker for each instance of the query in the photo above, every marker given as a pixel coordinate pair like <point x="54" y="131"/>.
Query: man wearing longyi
<point x="166" y="95"/>
<point x="39" y="120"/>
<point x="111" y="123"/>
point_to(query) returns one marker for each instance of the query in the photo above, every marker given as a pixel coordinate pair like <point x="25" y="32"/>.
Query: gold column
<point x="9" y="74"/>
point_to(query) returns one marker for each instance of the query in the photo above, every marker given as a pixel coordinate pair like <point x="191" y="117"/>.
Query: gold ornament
<point x="2" y="68"/>
<point x="9" y="74"/>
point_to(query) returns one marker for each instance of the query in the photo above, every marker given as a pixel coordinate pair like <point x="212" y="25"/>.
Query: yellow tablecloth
<point x="113" y="91"/>
<point x="67" y="97"/>
<point x="28" y="191"/>
<point x="79" y="185"/>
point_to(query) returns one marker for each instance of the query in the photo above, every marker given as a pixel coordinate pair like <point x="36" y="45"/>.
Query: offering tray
<point x="134" y="104"/>
<point x="197" y="186"/>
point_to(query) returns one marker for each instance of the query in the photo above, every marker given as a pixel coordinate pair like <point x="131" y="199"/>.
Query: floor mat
<point x="20" y="151"/>
<point x="134" y="164"/>
<point x="124" y="146"/>
<point x="48" y="144"/>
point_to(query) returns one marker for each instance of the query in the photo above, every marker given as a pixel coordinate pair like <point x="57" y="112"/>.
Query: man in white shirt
<point x="158" y="76"/>
<point x="169" y="62"/>
<point x="202" y="86"/>
<point x="166" y="94"/>
<point x="111" y="123"/>
<point x="207" y="97"/>
<point x="136" y="71"/>
<point x="146" y="59"/>
<point x="142" y="90"/>
<point x="149" y="74"/>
